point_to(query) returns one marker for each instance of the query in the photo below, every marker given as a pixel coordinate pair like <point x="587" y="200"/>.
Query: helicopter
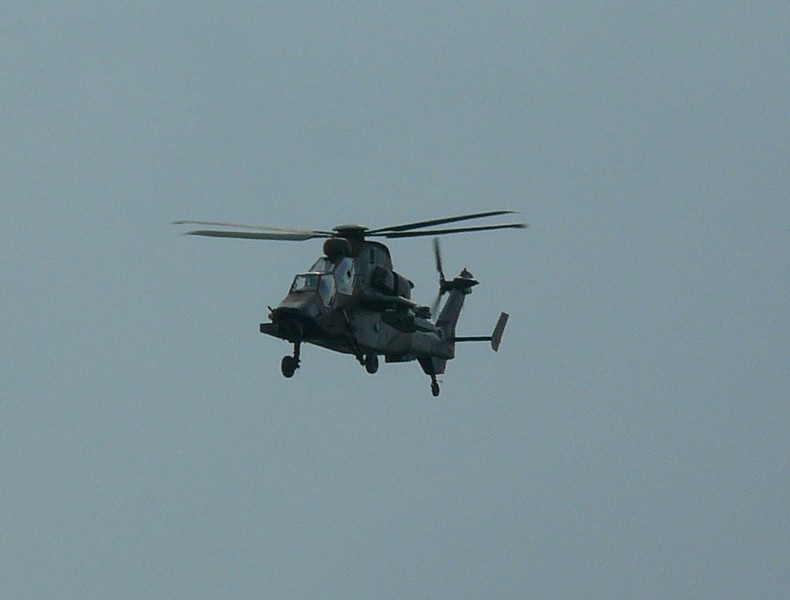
<point x="352" y="301"/>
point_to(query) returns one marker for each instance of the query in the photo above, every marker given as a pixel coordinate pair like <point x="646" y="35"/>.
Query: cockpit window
<point x="306" y="282"/>
<point x="322" y="265"/>
<point x="323" y="283"/>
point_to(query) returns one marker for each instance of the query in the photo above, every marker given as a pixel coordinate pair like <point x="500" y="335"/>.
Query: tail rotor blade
<point x="437" y="252"/>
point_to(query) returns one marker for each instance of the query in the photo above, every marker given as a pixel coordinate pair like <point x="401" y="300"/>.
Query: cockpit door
<point x="344" y="276"/>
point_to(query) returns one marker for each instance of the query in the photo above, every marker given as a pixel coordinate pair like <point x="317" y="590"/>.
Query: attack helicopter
<point x="351" y="300"/>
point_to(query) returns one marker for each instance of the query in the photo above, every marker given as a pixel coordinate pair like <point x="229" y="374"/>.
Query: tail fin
<point x="458" y="288"/>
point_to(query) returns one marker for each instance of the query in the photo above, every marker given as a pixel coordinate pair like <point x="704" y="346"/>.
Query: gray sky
<point x="630" y="439"/>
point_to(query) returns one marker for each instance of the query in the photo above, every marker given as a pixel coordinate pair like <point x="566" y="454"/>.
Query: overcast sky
<point x="629" y="440"/>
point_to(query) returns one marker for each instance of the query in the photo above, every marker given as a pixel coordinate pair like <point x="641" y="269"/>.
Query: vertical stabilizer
<point x="458" y="288"/>
<point x="499" y="329"/>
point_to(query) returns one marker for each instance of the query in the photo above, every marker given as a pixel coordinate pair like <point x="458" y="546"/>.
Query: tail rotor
<point x="443" y="287"/>
<point x="463" y="282"/>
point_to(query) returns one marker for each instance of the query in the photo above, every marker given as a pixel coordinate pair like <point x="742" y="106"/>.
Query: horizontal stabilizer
<point x="495" y="338"/>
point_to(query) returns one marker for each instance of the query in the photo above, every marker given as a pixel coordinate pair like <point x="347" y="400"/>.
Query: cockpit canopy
<point x="327" y="277"/>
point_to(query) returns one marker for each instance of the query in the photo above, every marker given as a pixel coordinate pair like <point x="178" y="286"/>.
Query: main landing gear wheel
<point x="288" y="366"/>
<point x="371" y="363"/>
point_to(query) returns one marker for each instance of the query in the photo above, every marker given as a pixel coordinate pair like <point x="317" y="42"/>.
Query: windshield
<point x="306" y="282"/>
<point x="311" y="282"/>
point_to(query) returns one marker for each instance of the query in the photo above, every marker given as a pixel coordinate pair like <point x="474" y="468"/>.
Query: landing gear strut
<point x="289" y="364"/>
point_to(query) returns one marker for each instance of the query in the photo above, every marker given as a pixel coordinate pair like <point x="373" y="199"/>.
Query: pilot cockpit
<point x="327" y="278"/>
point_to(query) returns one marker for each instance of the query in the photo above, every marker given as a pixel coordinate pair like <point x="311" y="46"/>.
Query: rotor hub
<point x="355" y="233"/>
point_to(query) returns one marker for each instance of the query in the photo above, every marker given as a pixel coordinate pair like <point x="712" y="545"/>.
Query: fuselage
<point x="358" y="305"/>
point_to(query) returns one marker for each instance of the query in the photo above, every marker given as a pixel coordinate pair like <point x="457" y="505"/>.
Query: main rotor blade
<point x="405" y="234"/>
<point x="421" y="224"/>
<point x="255" y="227"/>
<point x="262" y="235"/>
